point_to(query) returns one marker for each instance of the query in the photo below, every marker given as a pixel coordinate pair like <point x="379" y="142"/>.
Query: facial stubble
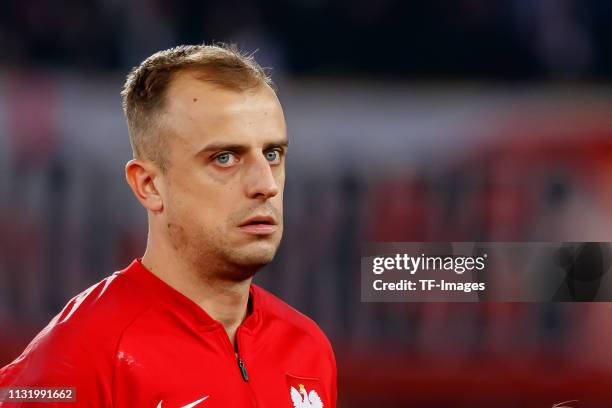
<point x="227" y="255"/>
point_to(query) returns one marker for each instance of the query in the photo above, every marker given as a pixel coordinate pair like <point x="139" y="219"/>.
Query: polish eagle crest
<point x="303" y="399"/>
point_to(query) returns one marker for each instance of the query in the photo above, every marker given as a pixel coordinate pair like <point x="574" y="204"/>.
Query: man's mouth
<point x="259" y="225"/>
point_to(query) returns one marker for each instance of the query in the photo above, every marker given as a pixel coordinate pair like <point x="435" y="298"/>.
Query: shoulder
<point x="276" y="312"/>
<point x="99" y="313"/>
<point x="81" y="340"/>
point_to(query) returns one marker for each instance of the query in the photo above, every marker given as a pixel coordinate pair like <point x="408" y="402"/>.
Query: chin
<point x="245" y="265"/>
<point x="256" y="254"/>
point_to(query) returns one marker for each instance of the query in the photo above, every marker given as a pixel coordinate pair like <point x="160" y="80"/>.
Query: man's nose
<point x="259" y="180"/>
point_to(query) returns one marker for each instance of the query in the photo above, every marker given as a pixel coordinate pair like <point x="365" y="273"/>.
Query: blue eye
<point x="227" y="159"/>
<point x="223" y="158"/>
<point x="273" y="155"/>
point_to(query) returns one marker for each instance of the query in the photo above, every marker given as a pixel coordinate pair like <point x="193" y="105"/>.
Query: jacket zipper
<point x="235" y="350"/>
<point x="243" y="371"/>
<point x="242" y="368"/>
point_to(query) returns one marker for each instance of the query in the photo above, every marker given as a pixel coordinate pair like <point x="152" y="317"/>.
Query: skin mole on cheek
<point x="195" y="99"/>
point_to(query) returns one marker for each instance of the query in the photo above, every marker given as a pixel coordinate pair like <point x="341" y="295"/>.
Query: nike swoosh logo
<point x="193" y="404"/>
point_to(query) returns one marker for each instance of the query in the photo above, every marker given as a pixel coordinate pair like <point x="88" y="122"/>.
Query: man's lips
<point x="259" y="225"/>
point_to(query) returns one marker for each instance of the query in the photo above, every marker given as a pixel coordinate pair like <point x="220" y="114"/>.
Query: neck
<point x="224" y="300"/>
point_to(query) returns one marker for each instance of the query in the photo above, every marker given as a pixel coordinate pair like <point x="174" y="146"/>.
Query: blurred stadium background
<point x="435" y="120"/>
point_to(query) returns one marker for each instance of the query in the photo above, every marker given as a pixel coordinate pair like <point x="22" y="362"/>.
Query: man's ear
<point x="142" y="176"/>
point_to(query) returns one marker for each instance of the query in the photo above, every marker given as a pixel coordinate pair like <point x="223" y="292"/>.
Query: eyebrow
<point x="239" y="148"/>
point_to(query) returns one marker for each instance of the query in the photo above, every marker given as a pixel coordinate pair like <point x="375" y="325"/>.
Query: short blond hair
<point x="146" y="86"/>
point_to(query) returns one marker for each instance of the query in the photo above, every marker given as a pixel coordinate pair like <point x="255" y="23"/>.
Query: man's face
<point x="223" y="189"/>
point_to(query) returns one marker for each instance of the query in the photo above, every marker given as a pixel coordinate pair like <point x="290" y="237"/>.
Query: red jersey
<point x="133" y="341"/>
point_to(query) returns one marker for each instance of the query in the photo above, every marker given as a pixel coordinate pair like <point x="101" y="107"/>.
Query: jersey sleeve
<point x="53" y="360"/>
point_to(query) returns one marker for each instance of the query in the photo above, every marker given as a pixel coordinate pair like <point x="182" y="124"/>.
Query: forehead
<point x="197" y="111"/>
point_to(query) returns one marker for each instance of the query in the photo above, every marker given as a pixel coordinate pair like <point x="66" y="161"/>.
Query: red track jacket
<point x="133" y="341"/>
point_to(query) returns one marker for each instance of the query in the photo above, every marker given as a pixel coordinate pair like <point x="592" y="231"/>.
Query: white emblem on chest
<point x="302" y="399"/>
